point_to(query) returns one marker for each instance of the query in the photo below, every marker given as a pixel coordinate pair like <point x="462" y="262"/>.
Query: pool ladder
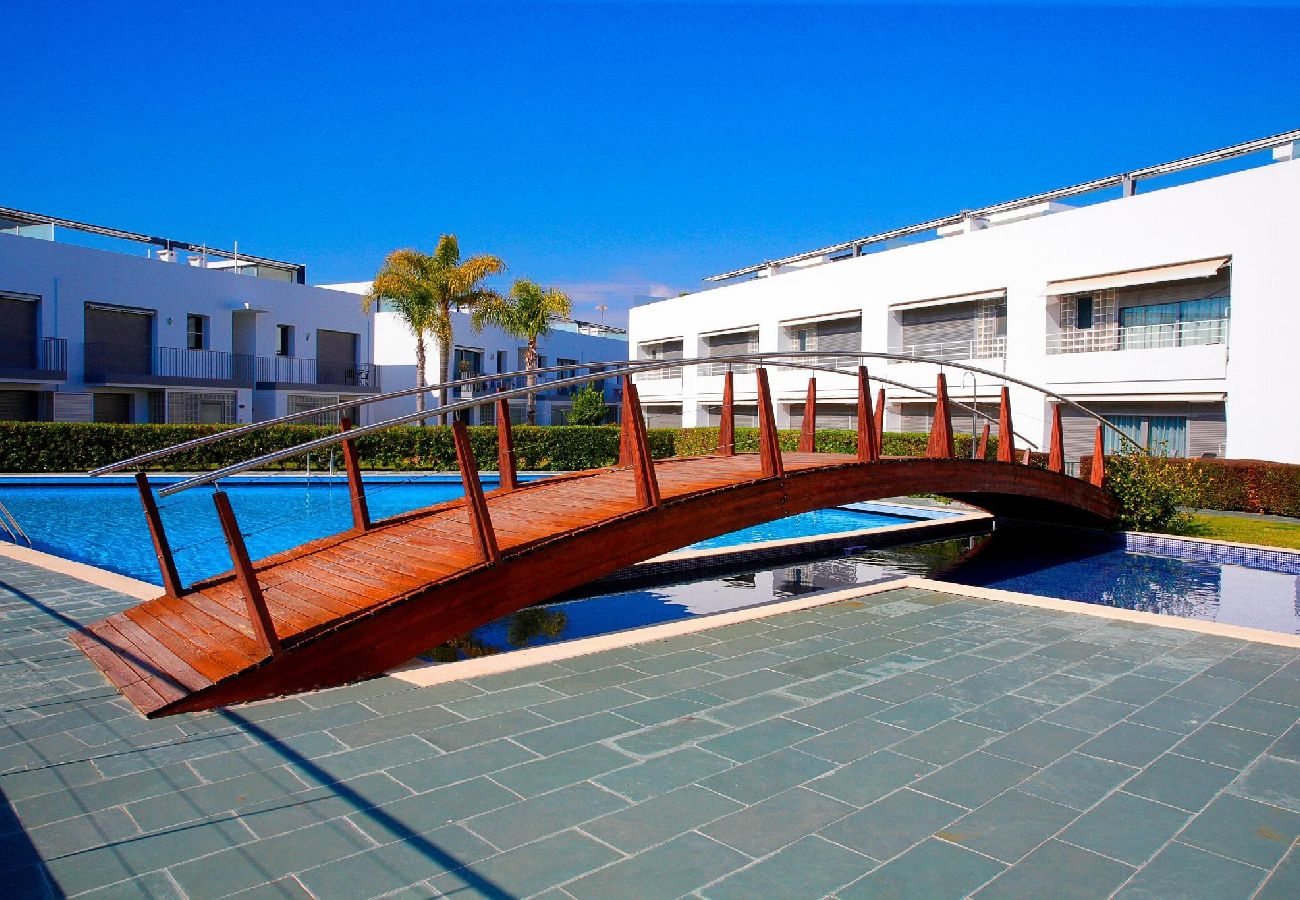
<point x="10" y="525"/>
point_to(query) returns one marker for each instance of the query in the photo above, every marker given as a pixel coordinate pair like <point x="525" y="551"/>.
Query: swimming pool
<point x="100" y="522"/>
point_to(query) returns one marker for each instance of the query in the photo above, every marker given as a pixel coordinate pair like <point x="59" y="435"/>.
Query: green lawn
<point x="1247" y="531"/>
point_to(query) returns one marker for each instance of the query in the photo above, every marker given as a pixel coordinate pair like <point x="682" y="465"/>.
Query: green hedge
<point x="1239" y="485"/>
<point x="74" y="447"/>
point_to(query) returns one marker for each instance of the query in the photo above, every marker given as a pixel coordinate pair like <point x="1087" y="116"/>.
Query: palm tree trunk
<point x="419" y="370"/>
<point x="444" y="350"/>
<point x="531" y="365"/>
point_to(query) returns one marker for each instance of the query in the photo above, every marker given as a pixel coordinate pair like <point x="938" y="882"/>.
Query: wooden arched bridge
<point x="356" y="604"/>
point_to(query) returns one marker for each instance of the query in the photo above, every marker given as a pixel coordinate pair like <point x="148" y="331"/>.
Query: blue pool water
<point x="101" y="523"/>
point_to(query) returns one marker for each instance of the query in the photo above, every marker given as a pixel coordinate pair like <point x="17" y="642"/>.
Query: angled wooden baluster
<point x="940" y="445"/>
<point x="880" y="421"/>
<point x="868" y="440"/>
<point x="1056" y="453"/>
<point x="1098" y="474"/>
<point x="356" y="490"/>
<point x="727" y="424"/>
<point x="638" y="447"/>
<point x="258" y="614"/>
<point x="769" y="444"/>
<point x="982" y="452"/>
<point x="808" y="434"/>
<point x="1026" y="457"/>
<point x="1006" y="437"/>
<point x="162" y="548"/>
<point x="505" y="447"/>
<point x="480" y="522"/>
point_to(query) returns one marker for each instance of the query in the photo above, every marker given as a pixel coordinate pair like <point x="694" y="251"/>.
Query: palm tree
<point x="422" y="288"/>
<point x="526" y="314"/>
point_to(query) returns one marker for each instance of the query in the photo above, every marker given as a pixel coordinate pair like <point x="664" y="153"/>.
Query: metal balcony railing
<point x="301" y="371"/>
<point x="664" y="374"/>
<point x="1105" y="338"/>
<point x="723" y="368"/>
<point x="118" y="364"/>
<point x="986" y="348"/>
<point x="34" y="358"/>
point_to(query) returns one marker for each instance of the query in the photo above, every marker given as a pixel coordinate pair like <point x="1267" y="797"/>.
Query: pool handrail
<point x="788" y="358"/>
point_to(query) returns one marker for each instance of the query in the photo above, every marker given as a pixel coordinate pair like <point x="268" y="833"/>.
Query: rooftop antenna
<point x="601" y="308"/>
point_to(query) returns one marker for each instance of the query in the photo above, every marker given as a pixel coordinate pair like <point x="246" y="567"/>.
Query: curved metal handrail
<point x="782" y="358"/>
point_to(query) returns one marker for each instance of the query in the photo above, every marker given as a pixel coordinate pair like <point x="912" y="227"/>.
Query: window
<point x="467" y="363"/>
<point x="284" y="340"/>
<point x="1157" y="434"/>
<point x="196" y="332"/>
<point x="804" y="340"/>
<point x="503" y="357"/>
<point x="1083" y="311"/>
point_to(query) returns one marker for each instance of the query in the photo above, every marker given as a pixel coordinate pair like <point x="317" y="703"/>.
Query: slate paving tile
<point x="463" y="735"/>
<point x="923" y="712"/>
<point x="853" y="741"/>
<point x="529" y="869"/>
<point x="985" y="687"/>
<point x="1130" y="744"/>
<point x="1077" y="781"/>
<point x="836" y="711"/>
<point x="1244" y="670"/>
<point x="673" y="662"/>
<point x="809" y="867"/>
<point x="946" y="742"/>
<point x="663" y="773"/>
<point x="154" y="885"/>
<point x="1180" y="781"/>
<point x="383" y="728"/>
<point x="106" y="826"/>
<point x="349" y="764"/>
<point x="754" y="709"/>
<point x="45" y="808"/>
<point x="1003" y="649"/>
<point x="727" y="666"/>
<point x="1263" y="716"/>
<point x="663" y="685"/>
<point x="576" y="707"/>
<point x="760" y="739"/>
<point x="870" y="778"/>
<point x="1191" y="874"/>
<point x="1008" y="826"/>
<point x="1006" y="713"/>
<point x="1176" y="714"/>
<point x="1244" y="830"/>
<point x="670" y="870"/>
<point x="1284" y="882"/>
<point x="1211" y="690"/>
<point x="535" y="818"/>
<point x="310" y="746"/>
<point x="528" y="675"/>
<point x="664" y="709"/>
<point x="405" y="698"/>
<point x="974" y="779"/>
<point x="757" y="780"/>
<point x="1126" y="827"/>
<point x="1089" y="714"/>
<point x="461" y="765"/>
<point x="523" y="697"/>
<point x="204" y="800"/>
<point x="320" y="804"/>
<point x="576" y="733"/>
<point x="1279" y="688"/>
<point x="661" y="818"/>
<point x="668" y="736"/>
<point x="569" y="767"/>
<point x="902" y="688"/>
<point x="1288" y="745"/>
<point x="1060" y="871"/>
<point x="932" y="869"/>
<point x="816" y="664"/>
<point x="1270" y="780"/>
<point x="395" y="865"/>
<point x="892" y="824"/>
<point x="741" y="686"/>
<point x="773" y="823"/>
<point x="1223" y="745"/>
<point x="1056" y="688"/>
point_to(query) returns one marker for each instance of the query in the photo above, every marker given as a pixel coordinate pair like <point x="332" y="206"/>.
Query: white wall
<point x="1250" y="216"/>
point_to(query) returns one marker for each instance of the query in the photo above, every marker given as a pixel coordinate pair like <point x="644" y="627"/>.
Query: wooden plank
<point x="136" y="659"/>
<point x="480" y="520"/>
<point x="174" y="666"/>
<point x="258" y="615"/>
<point x="221" y="650"/>
<point x="161" y="546"/>
<point x="356" y="489"/>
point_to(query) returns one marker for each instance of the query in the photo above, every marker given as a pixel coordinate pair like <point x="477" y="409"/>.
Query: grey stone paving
<point x="906" y="744"/>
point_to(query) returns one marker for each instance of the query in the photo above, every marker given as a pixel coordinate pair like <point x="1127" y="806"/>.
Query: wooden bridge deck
<point x="172" y="653"/>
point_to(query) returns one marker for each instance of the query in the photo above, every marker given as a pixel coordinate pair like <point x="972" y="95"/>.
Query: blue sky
<point x="614" y="148"/>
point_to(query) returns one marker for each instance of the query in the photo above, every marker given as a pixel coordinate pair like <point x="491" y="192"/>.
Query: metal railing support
<point x="162" y="548"/>
<point x="356" y="490"/>
<point x="480" y="521"/>
<point x="246" y="575"/>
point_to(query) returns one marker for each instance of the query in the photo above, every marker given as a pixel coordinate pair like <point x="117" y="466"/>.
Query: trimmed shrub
<point x="1235" y="485"/>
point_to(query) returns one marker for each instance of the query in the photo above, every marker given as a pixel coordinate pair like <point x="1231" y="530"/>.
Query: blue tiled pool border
<point x="1276" y="560"/>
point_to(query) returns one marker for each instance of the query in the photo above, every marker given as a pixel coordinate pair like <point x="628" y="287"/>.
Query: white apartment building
<point x="168" y="331"/>
<point x="1174" y="311"/>
<point x="489" y="352"/>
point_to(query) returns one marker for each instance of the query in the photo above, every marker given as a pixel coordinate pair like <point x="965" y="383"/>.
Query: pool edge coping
<point x="94" y="575"/>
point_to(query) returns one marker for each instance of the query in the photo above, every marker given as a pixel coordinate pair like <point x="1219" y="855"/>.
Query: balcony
<point x="113" y="364"/>
<point x="40" y="359"/>
<point x="949" y="351"/>
<point x="1160" y="336"/>
<point x="295" y="373"/>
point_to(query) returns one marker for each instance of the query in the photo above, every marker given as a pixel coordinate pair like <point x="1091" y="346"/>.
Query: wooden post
<point x="258" y="615"/>
<point x="505" y="447"/>
<point x="769" y="443"/>
<point x="868" y="442"/>
<point x="941" y="443"/>
<point x="480" y="522"/>
<point x="1056" y="453"/>
<point x="983" y="450"/>
<point x="1025" y="457"/>
<point x="638" y="447"/>
<point x="356" y="490"/>
<point x="808" y="434"/>
<point x="880" y="421"/>
<point x="1098" y="474"/>
<point x="727" y="424"/>
<point x="162" y="548"/>
<point x="1006" y="437"/>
